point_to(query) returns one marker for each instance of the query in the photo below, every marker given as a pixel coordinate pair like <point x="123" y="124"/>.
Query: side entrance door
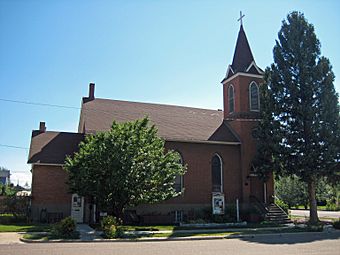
<point x="77" y="208"/>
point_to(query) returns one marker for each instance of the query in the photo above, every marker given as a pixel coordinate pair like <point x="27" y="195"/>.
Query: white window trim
<point x="258" y="96"/>
<point x="231" y="86"/>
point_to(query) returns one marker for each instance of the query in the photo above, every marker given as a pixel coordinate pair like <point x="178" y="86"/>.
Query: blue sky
<point x="172" y="52"/>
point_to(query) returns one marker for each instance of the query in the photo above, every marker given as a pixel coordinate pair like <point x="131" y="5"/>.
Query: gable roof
<point x="52" y="147"/>
<point x="174" y="123"/>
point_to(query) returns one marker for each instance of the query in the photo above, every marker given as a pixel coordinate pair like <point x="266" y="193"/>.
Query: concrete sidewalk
<point x="321" y="214"/>
<point x="86" y="233"/>
<point x="10" y="237"/>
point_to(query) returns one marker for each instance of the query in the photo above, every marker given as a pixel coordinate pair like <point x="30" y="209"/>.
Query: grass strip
<point x="24" y="228"/>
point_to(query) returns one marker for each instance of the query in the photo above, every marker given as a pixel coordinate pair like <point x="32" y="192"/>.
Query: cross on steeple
<point x="241" y="17"/>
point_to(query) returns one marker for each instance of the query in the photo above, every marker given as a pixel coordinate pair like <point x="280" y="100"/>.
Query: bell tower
<point x="241" y="100"/>
<point x="241" y="83"/>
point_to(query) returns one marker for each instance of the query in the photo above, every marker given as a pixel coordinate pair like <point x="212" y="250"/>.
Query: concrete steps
<point x="276" y="215"/>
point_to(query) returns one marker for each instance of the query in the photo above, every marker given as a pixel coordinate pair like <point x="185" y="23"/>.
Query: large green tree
<point x="292" y="191"/>
<point x="300" y="131"/>
<point x="125" y="166"/>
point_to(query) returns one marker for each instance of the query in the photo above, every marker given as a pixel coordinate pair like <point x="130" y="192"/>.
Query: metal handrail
<point x="275" y="197"/>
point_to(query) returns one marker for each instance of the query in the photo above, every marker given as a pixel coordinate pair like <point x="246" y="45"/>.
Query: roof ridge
<point x="56" y="132"/>
<point x="156" y="104"/>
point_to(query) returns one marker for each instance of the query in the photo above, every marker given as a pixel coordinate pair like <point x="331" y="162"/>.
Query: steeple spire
<point x="243" y="56"/>
<point x="243" y="60"/>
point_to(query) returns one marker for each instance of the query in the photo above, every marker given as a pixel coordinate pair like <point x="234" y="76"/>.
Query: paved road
<point x="305" y="213"/>
<point x="306" y="243"/>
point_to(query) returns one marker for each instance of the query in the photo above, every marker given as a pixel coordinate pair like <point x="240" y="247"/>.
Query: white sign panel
<point x="218" y="204"/>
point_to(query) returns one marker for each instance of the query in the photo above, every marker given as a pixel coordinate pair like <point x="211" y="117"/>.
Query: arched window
<point x="216" y="173"/>
<point x="231" y="98"/>
<point x="254" y="98"/>
<point x="178" y="185"/>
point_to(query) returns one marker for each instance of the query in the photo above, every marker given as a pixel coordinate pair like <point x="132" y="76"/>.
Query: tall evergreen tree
<point x="300" y="110"/>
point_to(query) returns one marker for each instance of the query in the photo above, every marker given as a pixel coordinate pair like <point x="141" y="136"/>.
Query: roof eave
<point x="226" y="80"/>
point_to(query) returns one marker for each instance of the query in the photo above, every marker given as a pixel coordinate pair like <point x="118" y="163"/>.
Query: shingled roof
<point x="51" y="147"/>
<point x="174" y="123"/>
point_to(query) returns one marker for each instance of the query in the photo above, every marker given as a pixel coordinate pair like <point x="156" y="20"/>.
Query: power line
<point x="52" y="105"/>
<point x="13" y="146"/>
<point x="39" y="104"/>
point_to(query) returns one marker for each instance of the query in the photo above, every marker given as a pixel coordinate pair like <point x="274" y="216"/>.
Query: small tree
<point x="302" y="111"/>
<point x="125" y="166"/>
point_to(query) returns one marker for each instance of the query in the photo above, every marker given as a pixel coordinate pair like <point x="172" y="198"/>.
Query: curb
<point x="160" y="239"/>
<point x="145" y="239"/>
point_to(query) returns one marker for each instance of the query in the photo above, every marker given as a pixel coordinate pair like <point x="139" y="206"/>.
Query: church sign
<point x="218" y="204"/>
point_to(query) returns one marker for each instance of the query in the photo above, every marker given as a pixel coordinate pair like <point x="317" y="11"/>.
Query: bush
<point x="336" y="224"/>
<point x="66" y="228"/>
<point x="111" y="227"/>
<point x="9" y="218"/>
<point x="330" y="206"/>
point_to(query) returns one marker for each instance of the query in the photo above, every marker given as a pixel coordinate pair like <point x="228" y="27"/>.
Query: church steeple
<point x="242" y="55"/>
<point x="243" y="60"/>
<point x="241" y="83"/>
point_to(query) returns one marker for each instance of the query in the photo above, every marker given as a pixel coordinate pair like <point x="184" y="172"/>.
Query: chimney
<point x="91" y="91"/>
<point x="42" y="127"/>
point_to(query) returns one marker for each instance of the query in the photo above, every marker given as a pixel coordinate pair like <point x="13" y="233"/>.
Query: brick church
<point x="217" y="147"/>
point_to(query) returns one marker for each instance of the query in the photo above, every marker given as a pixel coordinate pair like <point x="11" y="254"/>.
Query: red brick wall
<point x="244" y="126"/>
<point x="197" y="180"/>
<point x="241" y="93"/>
<point x="50" y="191"/>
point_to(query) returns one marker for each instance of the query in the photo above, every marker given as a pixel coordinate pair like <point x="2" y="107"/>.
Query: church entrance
<point x="258" y="189"/>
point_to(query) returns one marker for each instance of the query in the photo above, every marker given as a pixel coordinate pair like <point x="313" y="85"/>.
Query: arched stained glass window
<point x="231" y="100"/>
<point x="254" y="98"/>
<point x="216" y="173"/>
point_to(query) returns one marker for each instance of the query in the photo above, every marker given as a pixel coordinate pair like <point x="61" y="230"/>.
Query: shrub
<point x="331" y="206"/>
<point x="66" y="228"/>
<point x="111" y="228"/>
<point x="9" y="218"/>
<point x="336" y="224"/>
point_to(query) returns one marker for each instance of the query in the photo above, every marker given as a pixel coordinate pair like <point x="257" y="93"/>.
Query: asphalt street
<point x="298" y="243"/>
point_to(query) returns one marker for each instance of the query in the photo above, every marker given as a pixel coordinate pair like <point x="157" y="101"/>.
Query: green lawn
<point x="148" y="228"/>
<point x="35" y="236"/>
<point x="320" y="208"/>
<point x="172" y="227"/>
<point x="224" y="233"/>
<point x="141" y="228"/>
<point x="24" y="228"/>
